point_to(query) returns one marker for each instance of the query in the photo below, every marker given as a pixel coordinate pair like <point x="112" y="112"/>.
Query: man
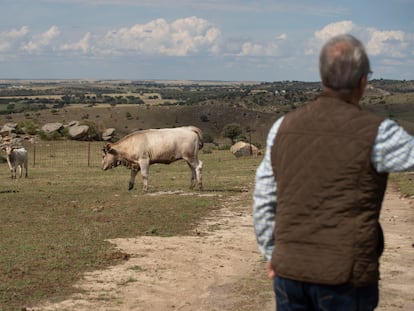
<point x="320" y="187"/>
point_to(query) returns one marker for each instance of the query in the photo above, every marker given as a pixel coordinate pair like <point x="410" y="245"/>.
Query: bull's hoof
<point x="131" y="186"/>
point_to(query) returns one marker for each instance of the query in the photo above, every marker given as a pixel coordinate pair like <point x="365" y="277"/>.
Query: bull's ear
<point x="106" y="148"/>
<point x="111" y="150"/>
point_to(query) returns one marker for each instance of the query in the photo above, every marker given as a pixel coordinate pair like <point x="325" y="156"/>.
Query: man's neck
<point x="350" y="96"/>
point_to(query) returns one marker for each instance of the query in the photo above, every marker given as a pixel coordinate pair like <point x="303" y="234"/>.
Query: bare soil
<point x="220" y="268"/>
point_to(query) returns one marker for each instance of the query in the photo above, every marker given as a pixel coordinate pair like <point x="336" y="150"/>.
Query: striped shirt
<point x="393" y="151"/>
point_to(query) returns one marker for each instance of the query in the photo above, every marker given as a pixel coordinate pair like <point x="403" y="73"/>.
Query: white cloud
<point x="282" y="37"/>
<point x="334" y="29"/>
<point x="257" y="49"/>
<point x="390" y="43"/>
<point x="8" y="38"/>
<point x="321" y="36"/>
<point x="82" y="45"/>
<point x="180" y="38"/>
<point x="40" y="41"/>
<point x="15" y="33"/>
<point x="271" y="48"/>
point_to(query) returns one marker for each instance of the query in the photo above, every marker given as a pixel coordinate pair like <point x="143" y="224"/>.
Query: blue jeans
<point x="301" y="296"/>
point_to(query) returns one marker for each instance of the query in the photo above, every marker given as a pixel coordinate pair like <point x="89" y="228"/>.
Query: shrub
<point x="207" y="138"/>
<point x="224" y="147"/>
<point x="93" y="133"/>
<point x="204" y="118"/>
<point x="28" y="127"/>
<point x="50" y="136"/>
<point x="207" y="150"/>
<point x="232" y="131"/>
<point x="11" y="106"/>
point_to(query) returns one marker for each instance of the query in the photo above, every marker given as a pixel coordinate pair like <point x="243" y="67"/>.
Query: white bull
<point x="140" y="149"/>
<point x="16" y="158"/>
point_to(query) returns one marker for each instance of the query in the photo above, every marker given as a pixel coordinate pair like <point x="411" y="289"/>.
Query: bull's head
<point x="7" y="148"/>
<point x="113" y="158"/>
<point x="109" y="157"/>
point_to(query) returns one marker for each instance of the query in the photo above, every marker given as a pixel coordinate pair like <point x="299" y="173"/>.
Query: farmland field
<point x="54" y="224"/>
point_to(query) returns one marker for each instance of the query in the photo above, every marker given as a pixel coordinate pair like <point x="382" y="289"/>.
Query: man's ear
<point x="363" y="82"/>
<point x="362" y="85"/>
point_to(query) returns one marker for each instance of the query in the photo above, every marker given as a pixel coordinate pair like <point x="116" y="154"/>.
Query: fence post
<point x="89" y="153"/>
<point x="34" y="155"/>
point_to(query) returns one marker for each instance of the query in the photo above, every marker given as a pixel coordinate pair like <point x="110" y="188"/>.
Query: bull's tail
<point x="200" y="136"/>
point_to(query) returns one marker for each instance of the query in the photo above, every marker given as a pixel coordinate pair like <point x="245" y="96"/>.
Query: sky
<point x="234" y="40"/>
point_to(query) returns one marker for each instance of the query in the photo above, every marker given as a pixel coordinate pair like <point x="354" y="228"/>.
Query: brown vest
<point x="328" y="194"/>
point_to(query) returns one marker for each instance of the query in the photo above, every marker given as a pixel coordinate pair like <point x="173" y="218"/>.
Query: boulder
<point x="52" y="127"/>
<point x="11" y="125"/>
<point x="242" y="148"/>
<point x="108" y="134"/>
<point x="8" y="129"/>
<point x="78" y="132"/>
<point x="73" y="123"/>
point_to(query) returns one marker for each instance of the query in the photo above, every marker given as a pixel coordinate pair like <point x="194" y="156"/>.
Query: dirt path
<point x="397" y="262"/>
<point x="221" y="268"/>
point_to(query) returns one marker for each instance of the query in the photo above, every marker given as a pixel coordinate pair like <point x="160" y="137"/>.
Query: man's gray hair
<point x="343" y="61"/>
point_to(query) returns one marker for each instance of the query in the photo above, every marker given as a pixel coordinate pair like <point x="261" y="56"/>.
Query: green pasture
<point x="54" y="224"/>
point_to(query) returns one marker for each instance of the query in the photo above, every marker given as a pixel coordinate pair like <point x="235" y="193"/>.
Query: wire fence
<point x="58" y="154"/>
<point x="69" y="153"/>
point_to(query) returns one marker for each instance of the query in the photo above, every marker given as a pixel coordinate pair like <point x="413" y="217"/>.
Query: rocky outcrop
<point x="79" y="132"/>
<point x="241" y="149"/>
<point x="109" y="134"/>
<point x="74" y="130"/>
<point x="73" y="123"/>
<point x="52" y="127"/>
<point x="8" y="128"/>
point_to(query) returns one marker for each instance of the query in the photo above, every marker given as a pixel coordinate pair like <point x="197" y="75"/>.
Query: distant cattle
<point x="140" y="149"/>
<point x="16" y="158"/>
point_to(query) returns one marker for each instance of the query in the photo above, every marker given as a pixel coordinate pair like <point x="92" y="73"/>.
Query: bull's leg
<point x="132" y="179"/>
<point x="199" y="174"/>
<point x="196" y="178"/>
<point x="10" y="166"/>
<point x="26" y="168"/>
<point x="193" y="175"/>
<point x="144" y="165"/>
<point x="20" y="171"/>
<point x="145" y="174"/>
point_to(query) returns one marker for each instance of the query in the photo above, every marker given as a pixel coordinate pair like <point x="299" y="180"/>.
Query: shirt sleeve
<point x="264" y="198"/>
<point x="393" y="150"/>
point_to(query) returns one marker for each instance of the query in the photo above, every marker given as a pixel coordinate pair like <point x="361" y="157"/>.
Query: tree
<point x="204" y="118"/>
<point x="232" y="131"/>
<point x="11" y="106"/>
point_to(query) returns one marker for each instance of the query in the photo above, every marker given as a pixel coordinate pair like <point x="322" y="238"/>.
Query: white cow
<point x="16" y="158"/>
<point x="140" y="149"/>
